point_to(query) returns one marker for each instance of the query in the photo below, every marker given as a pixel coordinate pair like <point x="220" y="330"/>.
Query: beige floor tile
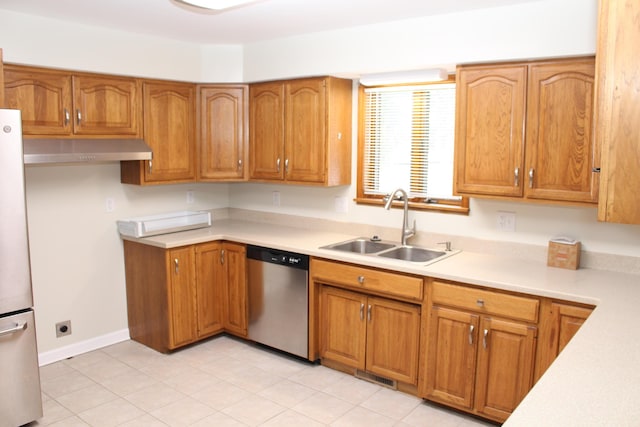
<point x="111" y="413"/>
<point x="192" y="381"/>
<point x="55" y="370"/>
<point x="391" y="403"/>
<point x="73" y="421"/>
<point x="287" y="393"/>
<point x="292" y="418"/>
<point x="360" y="416"/>
<point x="254" y="379"/>
<point x="105" y="369"/>
<point x="89" y="358"/>
<point x="66" y="384"/>
<point x="221" y="395"/>
<point x="154" y="397"/>
<point x="317" y="377"/>
<point x="183" y="412"/>
<point x="53" y="412"/>
<point x="219" y="420"/>
<point x="145" y="420"/>
<point x="352" y="389"/>
<point x="123" y="385"/>
<point x="254" y="410"/>
<point x="323" y="408"/>
<point x="86" y="398"/>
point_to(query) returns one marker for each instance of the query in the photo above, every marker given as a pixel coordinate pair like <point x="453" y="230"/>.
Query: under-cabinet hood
<point x="84" y="150"/>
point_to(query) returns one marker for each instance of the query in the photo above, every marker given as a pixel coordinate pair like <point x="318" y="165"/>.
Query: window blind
<point x="408" y="140"/>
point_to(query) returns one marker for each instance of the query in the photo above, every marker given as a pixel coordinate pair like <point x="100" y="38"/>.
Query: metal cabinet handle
<point x="480" y="302"/>
<point x="150" y="163"/>
<point x="176" y="265"/>
<point x="361" y="311"/>
<point x="222" y="256"/>
<point x="369" y="313"/>
<point x="278" y="165"/>
<point x="286" y="165"/>
<point x="240" y="164"/>
<point x="361" y="279"/>
<point x="531" y="177"/>
<point x="484" y="338"/>
<point x="78" y="116"/>
<point x="471" y="329"/>
<point x="516" y="174"/>
<point x="12" y="330"/>
<point x="67" y="116"/>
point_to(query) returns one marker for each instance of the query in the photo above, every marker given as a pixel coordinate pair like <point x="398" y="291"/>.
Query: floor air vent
<point x="386" y="382"/>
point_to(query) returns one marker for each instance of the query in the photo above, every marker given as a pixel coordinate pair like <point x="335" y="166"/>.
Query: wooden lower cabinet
<point x="476" y="361"/>
<point x="178" y="296"/>
<point x="559" y="322"/>
<point x="369" y="333"/>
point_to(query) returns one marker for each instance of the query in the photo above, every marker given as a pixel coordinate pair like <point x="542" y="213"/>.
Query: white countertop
<point x="593" y="382"/>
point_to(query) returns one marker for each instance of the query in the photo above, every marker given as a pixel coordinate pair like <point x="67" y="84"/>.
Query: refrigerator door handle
<point x="18" y="327"/>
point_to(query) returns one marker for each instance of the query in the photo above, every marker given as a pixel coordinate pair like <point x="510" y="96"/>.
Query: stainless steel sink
<point x="361" y="245"/>
<point x="390" y="250"/>
<point x="413" y="254"/>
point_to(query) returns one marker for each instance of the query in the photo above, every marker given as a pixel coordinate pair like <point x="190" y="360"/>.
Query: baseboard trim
<point x="82" y="347"/>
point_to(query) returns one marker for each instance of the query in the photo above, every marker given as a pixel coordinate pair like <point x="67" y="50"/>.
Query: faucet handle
<point x="447" y="245"/>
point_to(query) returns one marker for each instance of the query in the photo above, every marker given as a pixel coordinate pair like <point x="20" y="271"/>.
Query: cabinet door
<point x="393" y="339"/>
<point x="210" y="283"/>
<point x="223" y="132"/>
<point x="489" y="146"/>
<point x="618" y="127"/>
<point x="44" y="97"/>
<point x="305" y="131"/>
<point x="266" y="131"/>
<point x="451" y="356"/>
<point x="560" y="143"/>
<point x="106" y="106"/>
<point x="505" y="366"/>
<point x="182" y="305"/>
<point x="169" y="128"/>
<point x="236" y="317"/>
<point x="343" y="327"/>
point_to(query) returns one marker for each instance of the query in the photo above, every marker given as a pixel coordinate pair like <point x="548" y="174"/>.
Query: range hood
<point x="84" y="150"/>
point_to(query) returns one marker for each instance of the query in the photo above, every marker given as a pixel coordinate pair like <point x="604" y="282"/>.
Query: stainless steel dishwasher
<point x="279" y="299"/>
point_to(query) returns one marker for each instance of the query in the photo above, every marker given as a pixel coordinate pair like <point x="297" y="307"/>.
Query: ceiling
<point x="262" y="20"/>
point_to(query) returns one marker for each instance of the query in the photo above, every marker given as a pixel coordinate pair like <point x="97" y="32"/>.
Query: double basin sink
<point x="391" y="250"/>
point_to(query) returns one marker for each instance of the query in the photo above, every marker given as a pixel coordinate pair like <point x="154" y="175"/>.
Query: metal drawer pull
<point x="361" y="311"/>
<point x="361" y="279"/>
<point x="516" y="174"/>
<point x="286" y="165"/>
<point x="240" y="164"/>
<point x="176" y="266"/>
<point x="480" y="302"/>
<point x="67" y="117"/>
<point x="484" y="338"/>
<point x="222" y="256"/>
<point x="150" y="166"/>
<point x="78" y="116"/>
<point x="278" y="165"/>
<point x="471" y="329"/>
<point x="369" y="313"/>
<point x="17" y="328"/>
<point x="531" y="178"/>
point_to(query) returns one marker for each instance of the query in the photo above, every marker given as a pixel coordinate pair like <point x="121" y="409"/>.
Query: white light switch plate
<point x="506" y="221"/>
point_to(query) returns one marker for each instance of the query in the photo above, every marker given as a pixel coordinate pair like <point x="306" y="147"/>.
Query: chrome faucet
<point x="406" y="230"/>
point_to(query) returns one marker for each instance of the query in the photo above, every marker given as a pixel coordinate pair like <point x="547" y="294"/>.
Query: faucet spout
<point x="407" y="231"/>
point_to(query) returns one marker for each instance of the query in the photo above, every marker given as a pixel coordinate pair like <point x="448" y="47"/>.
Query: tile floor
<point x="221" y="382"/>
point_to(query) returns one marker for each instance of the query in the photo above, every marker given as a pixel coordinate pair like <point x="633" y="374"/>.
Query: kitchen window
<point x="406" y="141"/>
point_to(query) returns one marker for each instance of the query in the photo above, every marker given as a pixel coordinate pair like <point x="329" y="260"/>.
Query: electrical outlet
<point x="275" y="196"/>
<point x="190" y="197"/>
<point x="109" y="204"/>
<point x="506" y="221"/>
<point x="63" y="328"/>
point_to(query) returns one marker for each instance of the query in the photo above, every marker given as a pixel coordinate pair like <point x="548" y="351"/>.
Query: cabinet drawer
<point x="367" y="278"/>
<point x="485" y="302"/>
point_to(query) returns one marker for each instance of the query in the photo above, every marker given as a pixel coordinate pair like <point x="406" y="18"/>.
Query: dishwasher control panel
<point x="276" y="256"/>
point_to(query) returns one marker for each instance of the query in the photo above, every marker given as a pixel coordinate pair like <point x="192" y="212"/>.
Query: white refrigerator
<point x="20" y="398"/>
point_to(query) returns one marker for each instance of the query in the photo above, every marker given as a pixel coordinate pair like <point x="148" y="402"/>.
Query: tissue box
<point x="564" y="253"/>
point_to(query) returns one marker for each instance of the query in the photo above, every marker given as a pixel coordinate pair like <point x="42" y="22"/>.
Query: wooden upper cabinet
<point x="169" y="129"/>
<point x="61" y="104"/>
<point x="489" y="142"/>
<point x="526" y="131"/>
<point x="106" y="106"/>
<point x="223" y="139"/>
<point x="266" y="131"/>
<point x="618" y="124"/>
<point x="560" y="143"/>
<point x="300" y="131"/>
